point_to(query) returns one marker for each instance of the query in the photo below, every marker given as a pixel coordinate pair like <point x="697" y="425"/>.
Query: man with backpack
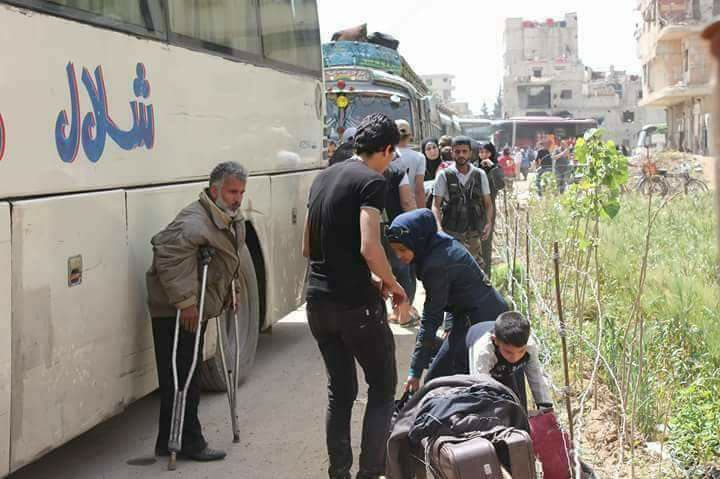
<point x="462" y="204"/>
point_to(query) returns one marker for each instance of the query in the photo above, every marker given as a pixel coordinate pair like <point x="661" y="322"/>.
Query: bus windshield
<point x="478" y="132"/>
<point x="361" y="106"/>
<point x="525" y="133"/>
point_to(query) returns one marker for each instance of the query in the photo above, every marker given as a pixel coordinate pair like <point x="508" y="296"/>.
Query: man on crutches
<point x="206" y="236"/>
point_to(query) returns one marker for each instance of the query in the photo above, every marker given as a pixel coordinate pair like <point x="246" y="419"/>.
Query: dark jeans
<point x="452" y="357"/>
<point x="163" y="333"/>
<point x="563" y="176"/>
<point x="344" y="336"/>
<point x="524" y="171"/>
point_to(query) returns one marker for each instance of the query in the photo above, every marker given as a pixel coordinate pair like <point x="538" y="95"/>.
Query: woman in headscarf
<point x="431" y="150"/>
<point x="488" y="156"/>
<point x="454" y="283"/>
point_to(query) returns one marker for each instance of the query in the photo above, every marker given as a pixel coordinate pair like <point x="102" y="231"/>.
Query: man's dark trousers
<point x="344" y="336"/>
<point x="163" y="333"/>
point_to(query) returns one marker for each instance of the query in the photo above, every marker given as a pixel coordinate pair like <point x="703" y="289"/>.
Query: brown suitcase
<point x="514" y="448"/>
<point x="461" y="457"/>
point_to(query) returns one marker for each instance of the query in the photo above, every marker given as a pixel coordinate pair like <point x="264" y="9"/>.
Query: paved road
<point x="282" y="408"/>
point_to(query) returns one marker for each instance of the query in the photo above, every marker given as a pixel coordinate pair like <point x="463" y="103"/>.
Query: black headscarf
<point x="417" y="230"/>
<point x="494" y="172"/>
<point x="493" y="151"/>
<point x="431" y="166"/>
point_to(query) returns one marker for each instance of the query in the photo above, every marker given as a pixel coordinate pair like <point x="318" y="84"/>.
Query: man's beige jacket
<point x="173" y="281"/>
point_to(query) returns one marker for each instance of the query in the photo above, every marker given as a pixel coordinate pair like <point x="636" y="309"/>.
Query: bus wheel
<point x="211" y="371"/>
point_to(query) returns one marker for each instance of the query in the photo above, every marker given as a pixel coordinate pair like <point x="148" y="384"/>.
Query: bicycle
<point x="682" y="180"/>
<point x="653" y="183"/>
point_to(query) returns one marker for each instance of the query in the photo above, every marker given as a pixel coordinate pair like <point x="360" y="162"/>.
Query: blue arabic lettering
<point x="67" y="144"/>
<point x="97" y="125"/>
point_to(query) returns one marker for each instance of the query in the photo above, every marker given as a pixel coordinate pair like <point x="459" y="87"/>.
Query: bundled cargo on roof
<point x="360" y="34"/>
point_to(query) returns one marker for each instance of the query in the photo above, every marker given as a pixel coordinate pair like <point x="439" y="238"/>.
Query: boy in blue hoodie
<point x="454" y="283"/>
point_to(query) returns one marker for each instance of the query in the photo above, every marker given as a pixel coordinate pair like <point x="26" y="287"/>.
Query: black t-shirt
<point x="394" y="176"/>
<point x="543" y="156"/>
<point x="338" y="272"/>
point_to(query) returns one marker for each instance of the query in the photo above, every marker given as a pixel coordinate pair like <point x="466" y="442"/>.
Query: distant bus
<point x="112" y="115"/>
<point x="477" y="129"/>
<point x="526" y="131"/>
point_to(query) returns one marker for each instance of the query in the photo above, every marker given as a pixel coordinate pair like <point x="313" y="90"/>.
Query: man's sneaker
<point x="367" y="475"/>
<point x="206" y="455"/>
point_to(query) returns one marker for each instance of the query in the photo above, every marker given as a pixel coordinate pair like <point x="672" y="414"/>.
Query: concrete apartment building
<point x="442" y="85"/>
<point x="544" y="76"/>
<point x="677" y="67"/>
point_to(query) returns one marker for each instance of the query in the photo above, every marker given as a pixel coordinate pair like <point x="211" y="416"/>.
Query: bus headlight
<point x="342" y="101"/>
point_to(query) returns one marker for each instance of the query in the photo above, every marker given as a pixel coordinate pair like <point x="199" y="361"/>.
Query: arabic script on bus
<point x="98" y="124"/>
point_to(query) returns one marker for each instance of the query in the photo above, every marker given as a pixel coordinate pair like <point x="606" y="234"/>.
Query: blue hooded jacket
<point x="453" y="280"/>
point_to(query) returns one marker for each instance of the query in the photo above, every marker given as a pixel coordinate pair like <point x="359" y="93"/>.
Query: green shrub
<point x="680" y="308"/>
<point x="695" y="426"/>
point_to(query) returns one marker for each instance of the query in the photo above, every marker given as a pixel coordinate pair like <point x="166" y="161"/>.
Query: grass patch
<point x="679" y="308"/>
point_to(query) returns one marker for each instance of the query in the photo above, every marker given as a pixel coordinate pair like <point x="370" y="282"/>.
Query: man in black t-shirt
<point x="349" y="276"/>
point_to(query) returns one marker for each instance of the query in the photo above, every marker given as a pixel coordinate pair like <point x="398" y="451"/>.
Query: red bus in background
<point x="529" y="130"/>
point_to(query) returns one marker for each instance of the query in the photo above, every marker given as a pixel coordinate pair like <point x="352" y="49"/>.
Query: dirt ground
<point x="600" y="444"/>
<point x="282" y="409"/>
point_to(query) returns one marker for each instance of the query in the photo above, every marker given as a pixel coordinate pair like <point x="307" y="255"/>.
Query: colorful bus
<point x="363" y="78"/>
<point x="112" y="115"/>
<point x="528" y="131"/>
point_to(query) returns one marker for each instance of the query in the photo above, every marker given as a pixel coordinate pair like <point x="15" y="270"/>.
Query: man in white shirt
<point x="415" y="162"/>
<point x="462" y="204"/>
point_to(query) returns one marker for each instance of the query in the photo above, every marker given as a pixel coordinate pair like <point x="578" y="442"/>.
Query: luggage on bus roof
<point x="385" y="40"/>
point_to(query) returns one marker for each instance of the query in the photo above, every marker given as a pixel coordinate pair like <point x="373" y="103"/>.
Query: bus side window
<point x="291" y="33"/>
<point x="229" y="24"/>
<point x="146" y="14"/>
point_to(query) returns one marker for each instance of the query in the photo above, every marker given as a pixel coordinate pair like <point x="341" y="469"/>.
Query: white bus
<point x="113" y="113"/>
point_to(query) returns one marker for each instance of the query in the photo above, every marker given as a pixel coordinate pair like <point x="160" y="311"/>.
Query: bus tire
<point x="210" y="373"/>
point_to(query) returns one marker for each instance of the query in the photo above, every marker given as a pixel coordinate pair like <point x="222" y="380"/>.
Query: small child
<point x="508" y="352"/>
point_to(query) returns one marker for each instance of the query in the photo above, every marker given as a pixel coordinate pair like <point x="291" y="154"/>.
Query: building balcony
<point x="676" y="32"/>
<point x="672" y="95"/>
<point x="663" y="37"/>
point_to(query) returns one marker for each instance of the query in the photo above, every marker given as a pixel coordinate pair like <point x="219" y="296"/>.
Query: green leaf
<point x="612" y="208"/>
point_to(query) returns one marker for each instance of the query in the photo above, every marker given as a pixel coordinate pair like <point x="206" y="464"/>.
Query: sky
<point x="465" y="37"/>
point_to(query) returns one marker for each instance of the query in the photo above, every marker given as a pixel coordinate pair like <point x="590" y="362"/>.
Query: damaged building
<point x="544" y="76"/>
<point x="677" y="68"/>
